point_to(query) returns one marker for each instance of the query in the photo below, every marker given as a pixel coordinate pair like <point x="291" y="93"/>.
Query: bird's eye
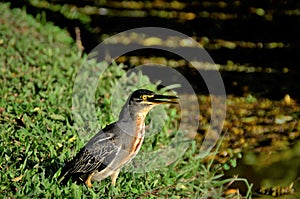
<point x="144" y="97"/>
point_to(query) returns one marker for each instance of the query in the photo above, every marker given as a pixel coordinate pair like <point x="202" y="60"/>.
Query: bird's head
<point x="141" y="101"/>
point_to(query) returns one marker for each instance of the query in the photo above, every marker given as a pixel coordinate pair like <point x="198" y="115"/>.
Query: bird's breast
<point x="134" y="143"/>
<point x="139" y="135"/>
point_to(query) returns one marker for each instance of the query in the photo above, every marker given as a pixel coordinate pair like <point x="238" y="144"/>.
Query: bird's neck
<point x="132" y="122"/>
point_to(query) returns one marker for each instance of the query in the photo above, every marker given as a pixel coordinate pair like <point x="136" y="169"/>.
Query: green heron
<point x="117" y="144"/>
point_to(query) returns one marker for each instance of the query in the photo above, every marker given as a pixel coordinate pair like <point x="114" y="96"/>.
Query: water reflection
<point x="270" y="169"/>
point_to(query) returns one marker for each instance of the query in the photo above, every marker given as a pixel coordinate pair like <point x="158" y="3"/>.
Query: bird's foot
<point x="88" y="182"/>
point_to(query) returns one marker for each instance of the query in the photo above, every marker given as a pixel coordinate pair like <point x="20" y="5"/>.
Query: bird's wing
<point x="94" y="156"/>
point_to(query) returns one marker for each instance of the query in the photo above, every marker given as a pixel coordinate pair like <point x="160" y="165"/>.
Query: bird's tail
<point x="64" y="175"/>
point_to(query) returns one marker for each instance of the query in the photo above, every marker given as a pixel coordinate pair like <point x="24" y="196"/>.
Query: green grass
<point x="38" y="67"/>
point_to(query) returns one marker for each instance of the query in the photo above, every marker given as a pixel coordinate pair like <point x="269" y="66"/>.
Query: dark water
<point x="272" y="27"/>
<point x="270" y="169"/>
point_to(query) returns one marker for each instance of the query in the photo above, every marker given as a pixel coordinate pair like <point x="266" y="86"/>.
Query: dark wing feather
<point x="94" y="156"/>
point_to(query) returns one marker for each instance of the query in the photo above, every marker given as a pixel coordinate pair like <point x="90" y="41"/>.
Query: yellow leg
<point x="114" y="177"/>
<point x="88" y="182"/>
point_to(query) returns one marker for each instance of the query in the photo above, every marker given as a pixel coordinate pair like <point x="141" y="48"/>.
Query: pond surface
<point x="270" y="169"/>
<point x="266" y="133"/>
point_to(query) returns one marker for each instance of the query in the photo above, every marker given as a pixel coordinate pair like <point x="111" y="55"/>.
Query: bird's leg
<point x="88" y="182"/>
<point x="114" y="177"/>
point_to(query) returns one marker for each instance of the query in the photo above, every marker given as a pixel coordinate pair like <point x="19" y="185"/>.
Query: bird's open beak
<point x="163" y="99"/>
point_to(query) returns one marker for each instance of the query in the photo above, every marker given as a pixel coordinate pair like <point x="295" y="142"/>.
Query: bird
<point x="117" y="144"/>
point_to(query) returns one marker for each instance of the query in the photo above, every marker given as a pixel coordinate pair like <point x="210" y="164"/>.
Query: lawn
<point x="39" y="63"/>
